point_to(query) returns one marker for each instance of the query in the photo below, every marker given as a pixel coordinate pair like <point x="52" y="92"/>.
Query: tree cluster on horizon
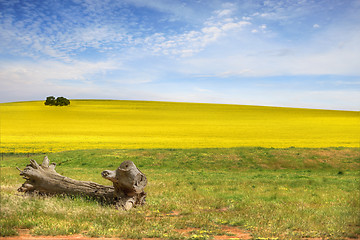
<point x="59" y="101"/>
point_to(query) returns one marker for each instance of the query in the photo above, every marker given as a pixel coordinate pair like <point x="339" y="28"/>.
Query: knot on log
<point x="127" y="190"/>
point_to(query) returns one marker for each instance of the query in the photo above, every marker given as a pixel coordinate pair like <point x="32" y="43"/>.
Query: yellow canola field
<point x="100" y="124"/>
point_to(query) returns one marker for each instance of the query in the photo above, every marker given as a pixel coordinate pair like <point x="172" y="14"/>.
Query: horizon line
<point x="233" y="104"/>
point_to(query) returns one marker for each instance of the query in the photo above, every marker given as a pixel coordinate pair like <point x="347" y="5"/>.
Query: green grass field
<point x="288" y="193"/>
<point x="95" y="124"/>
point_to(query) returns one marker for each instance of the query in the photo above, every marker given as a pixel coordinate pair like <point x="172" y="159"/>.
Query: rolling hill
<point x="110" y="124"/>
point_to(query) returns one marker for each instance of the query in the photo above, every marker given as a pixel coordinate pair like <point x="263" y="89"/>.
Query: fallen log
<point x="127" y="190"/>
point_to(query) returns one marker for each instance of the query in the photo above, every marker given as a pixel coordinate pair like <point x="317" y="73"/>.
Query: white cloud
<point x="35" y="80"/>
<point x="188" y="43"/>
<point x="261" y="58"/>
<point x="282" y="10"/>
<point x="316" y="26"/>
<point x="37" y="73"/>
<point x="263" y="26"/>
<point x="224" y="12"/>
<point x="62" y="34"/>
<point x="234" y="25"/>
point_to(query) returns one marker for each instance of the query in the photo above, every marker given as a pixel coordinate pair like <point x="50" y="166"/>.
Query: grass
<point x="31" y="127"/>
<point x="289" y="193"/>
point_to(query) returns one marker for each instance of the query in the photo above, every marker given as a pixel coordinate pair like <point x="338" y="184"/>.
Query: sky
<point x="287" y="53"/>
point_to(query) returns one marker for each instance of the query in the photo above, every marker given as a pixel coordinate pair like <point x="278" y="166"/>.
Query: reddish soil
<point x="24" y="234"/>
<point x="233" y="233"/>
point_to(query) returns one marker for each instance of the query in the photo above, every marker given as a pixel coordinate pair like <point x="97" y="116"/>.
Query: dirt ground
<point x="24" y="234"/>
<point x="233" y="233"/>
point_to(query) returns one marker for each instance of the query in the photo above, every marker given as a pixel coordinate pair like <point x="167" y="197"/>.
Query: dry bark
<point x="127" y="190"/>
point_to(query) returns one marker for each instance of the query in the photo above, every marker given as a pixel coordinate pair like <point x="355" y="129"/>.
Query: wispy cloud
<point x="58" y="35"/>
<point x="49" y="36"/>
<point x="191" y="42"/>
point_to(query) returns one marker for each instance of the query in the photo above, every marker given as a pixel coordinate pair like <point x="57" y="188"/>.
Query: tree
<point x="50" y="101"/>
<point x="60" y="101"/>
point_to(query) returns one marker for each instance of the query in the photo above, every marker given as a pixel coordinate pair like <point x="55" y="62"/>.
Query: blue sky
<point x="303" y="53"/>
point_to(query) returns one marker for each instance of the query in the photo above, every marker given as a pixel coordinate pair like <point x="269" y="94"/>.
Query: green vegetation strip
<point x="287" y="193"/>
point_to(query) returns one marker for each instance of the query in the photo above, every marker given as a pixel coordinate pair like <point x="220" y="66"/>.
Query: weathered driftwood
<point x="127" y="190"/>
